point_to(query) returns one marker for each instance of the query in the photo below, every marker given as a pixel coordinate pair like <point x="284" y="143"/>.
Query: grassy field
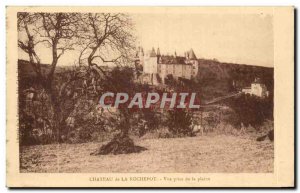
<point x="201" y="154"/>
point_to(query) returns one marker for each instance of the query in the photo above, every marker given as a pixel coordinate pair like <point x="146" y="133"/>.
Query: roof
<point x="191" y="55"/>
<point x="158" y="52"/>
<point x="152" y="53"/>
<point x="257" y="80"/>
<point x="172" y="60"/>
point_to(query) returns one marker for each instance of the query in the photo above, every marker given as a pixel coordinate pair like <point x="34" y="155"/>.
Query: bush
<point x="164" y="133"/>
<point x="179" y="122"/>
<point x="251" y="110"/>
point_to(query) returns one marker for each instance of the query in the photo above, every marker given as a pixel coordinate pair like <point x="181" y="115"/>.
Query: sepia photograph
<point x="133" y="91"/>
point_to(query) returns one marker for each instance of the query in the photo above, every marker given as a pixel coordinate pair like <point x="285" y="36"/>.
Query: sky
<point x="239" y="38"/>
<point x="235" y="38"/>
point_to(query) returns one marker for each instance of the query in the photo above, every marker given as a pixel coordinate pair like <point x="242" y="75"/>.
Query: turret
<point x="191" y="58"/>
<point x="191" y="55"/>
<point x="158" y="52"/>
<point x="186" y="55"/>
<point x="152" y="53"/>
<point x="158" y="55"/>
<point x="140" y="55"/>
<point x="141" y="51"/>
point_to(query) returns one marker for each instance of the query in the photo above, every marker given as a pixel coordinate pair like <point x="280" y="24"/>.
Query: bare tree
<point x="106" y="38"/>
<point x="57" y="32"/>
<point x="102" y="38"/>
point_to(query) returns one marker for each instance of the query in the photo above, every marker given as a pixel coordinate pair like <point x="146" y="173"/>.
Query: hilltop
<point x="215" y="78"/>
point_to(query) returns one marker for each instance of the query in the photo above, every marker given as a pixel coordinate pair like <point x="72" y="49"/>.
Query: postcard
<point x="150" y="97"/>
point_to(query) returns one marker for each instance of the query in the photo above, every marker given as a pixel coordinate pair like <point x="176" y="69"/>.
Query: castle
<point x="157" y="67"/>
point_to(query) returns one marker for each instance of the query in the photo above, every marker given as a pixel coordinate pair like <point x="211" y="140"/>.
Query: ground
<point x="201" y="154"/>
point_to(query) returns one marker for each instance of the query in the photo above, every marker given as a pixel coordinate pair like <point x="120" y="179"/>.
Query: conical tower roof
<point x="192" y="55"/>
<point x="152" y="53"/>
<point x="158" y="52"/>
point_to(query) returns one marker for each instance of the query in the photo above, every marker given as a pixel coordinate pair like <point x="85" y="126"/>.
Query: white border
<point x="3" y="3"/>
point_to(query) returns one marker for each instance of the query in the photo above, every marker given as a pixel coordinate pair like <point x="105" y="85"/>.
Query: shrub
<point x="251" y="110"/>
<point x="179" y="121"/>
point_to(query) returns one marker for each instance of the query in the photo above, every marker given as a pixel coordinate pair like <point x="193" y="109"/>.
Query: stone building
<point x="156" y="67"/>
<point x="257" y="88"/>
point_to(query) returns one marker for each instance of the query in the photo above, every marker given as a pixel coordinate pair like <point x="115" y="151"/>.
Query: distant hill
<point x="217" y="78"/>
<point x="25" y="69"/>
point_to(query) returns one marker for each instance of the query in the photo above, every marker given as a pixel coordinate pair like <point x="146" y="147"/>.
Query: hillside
<point x="26" y="70"/>
<point x="216" y="78"/>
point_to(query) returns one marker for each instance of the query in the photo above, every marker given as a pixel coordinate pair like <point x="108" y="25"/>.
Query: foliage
<point x="251" y="110"/>
<point x="146" y="120"/>
<point x="179" y="122"/>
<point x="97" y="36"/>
<point x="171" y="81"/>
<point x="216" y="79"/>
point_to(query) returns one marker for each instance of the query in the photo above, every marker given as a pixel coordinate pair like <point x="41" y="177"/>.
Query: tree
<point x="57" y="32"/>
<point x="106" y="38"/>
<point x="179" y="122"/>
<point x="171" y="81"/>
<point x="101" y="38"/>
<point x="123" y="80"/>
<point x="251" y="110"/>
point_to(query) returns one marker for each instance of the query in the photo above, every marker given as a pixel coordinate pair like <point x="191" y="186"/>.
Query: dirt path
<point x="203" y="154"/>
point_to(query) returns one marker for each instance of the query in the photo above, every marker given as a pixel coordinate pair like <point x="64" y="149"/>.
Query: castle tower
<point x="186" y="55"/>
<point x="152" y="53"/>
<point x="158" y="55"/>
<point x="191" y="58"/>
<point x="151" y="63"/>
<point x="158" y="52"/>
<point x="191" y="55"/>
<point x="141" y="55"/>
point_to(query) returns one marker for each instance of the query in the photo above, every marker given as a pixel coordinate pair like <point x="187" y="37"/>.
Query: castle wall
<point x="187" y="71"/>
<point x="195" y="68"/>
<point x="178" y="68"/>
<point x="150" y="65"/>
